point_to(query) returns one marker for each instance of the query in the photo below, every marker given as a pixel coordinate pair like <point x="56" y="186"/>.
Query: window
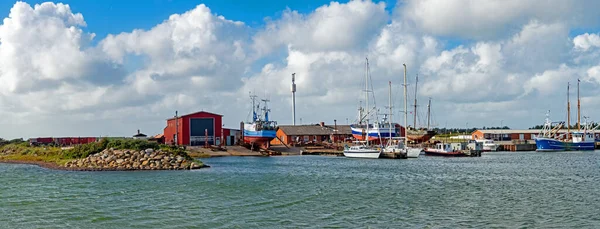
<point x="305" y="138"/>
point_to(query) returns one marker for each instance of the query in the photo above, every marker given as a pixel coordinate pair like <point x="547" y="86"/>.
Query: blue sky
<point x="115" y="16"/>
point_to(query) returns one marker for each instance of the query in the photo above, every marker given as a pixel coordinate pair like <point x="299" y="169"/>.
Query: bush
<point x="132" y="144"/>
<point x="82" y="151"/>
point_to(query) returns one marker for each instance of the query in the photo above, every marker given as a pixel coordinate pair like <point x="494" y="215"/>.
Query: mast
<point x="405" y="110"/>
<point x="415" y="111"/>
<point x="568" y="111"/>
<point x="578" y="108"/>
<point x="390" y="116"/>
<point x="253" y="97"/>
<point x="428" y="113"/>
<point x="367" y="99"/>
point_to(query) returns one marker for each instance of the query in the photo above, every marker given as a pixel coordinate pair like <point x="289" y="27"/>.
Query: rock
<point x="144" y="163"/>
<point x="136" y="164"/>
<point x="149" y="150"/>
<point x="158" y="157"/>
<point x="120" y="161"/>
<point x="179" y="159"/>
<point x="194" y="166"/>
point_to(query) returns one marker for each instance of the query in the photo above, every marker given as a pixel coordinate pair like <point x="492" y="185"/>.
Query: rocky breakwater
<point x="148" y="159"/>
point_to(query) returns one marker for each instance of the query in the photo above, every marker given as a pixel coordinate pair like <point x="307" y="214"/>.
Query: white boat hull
<point x="490" y="147"/>
<point x="413" y="152"/>
<point x="362" y="154"/>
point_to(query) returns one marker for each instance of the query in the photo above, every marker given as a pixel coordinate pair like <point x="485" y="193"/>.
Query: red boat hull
<point x="261" y="142"/>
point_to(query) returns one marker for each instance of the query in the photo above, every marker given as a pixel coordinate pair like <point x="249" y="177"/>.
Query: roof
<point x="159" y="136"/>
<point x="535" y="131"/>
<point x="315" y="129"/>
<point x="199" y="112"/>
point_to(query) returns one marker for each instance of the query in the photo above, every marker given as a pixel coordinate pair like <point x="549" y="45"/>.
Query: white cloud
<point x="494" y="18"/>
<point x="333" y="27"/>
<point x="586" y="41"/>
<point x="514" y="65"/>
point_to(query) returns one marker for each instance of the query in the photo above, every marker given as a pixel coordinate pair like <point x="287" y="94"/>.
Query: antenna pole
<point x="294" y="99"/>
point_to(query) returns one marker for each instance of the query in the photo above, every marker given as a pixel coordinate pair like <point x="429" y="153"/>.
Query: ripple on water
<point x="514" y="190"/>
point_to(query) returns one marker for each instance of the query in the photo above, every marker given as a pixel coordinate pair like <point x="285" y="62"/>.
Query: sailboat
<point x="414" y="134"/>
<point x="364" y="150"/>
<point x="410" y="151"/>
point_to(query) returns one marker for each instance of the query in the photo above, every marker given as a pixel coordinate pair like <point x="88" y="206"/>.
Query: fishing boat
<point x="260" y="131"/>
<point x="447" y="150"/>
<point x="549" y="138"/>
<point x="364" y="150"/>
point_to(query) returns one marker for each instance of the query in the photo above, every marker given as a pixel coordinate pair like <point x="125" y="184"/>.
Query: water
<point x="514" y="190"/>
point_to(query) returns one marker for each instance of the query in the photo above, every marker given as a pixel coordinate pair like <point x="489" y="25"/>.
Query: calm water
<point x="497" y="190"/>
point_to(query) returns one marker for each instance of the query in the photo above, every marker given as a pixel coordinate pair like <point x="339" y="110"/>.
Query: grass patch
<point x="22" y="151"/>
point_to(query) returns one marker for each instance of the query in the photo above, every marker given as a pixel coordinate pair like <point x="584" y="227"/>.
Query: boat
<point x="260" y="131"/>
<point x="488" y="144"/>
<point x="409" y="152"/>
<point x="578" y="140"/>
<point x="364" y="150"/>
<point x="419" y="135"/>
<point x="447" y="150"/>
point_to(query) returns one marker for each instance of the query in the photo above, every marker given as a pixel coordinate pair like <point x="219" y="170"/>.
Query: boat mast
<point x="390" y="116"/>
<point x="415" y="111"/>
<point x="253" y="97"/>
<point x="428" y="113"/>
<point x="578" y="108"/>
<point x="367" y="99"/>
<point x="405" y="110"/>
<point x="568" y="111"/>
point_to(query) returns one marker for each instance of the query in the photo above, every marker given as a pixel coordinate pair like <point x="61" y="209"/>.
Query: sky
<point x="109" y="68"/>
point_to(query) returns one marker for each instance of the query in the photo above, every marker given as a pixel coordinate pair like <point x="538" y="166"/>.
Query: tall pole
<point x="578" y="107"/>
<point x="176" y="129"/>
<point x="428" y="113"/>
<point x="390" y="118"/>
<point x="367" y="99"/>
<point x="568" y="111"/>
<point x="415" y="111"/>
<point x="294" y="99"/>
<point x="405" y="110"/>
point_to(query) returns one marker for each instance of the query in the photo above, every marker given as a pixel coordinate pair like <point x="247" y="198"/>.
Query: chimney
<point x="322" y="124"/>
<point x="138" y="131"/>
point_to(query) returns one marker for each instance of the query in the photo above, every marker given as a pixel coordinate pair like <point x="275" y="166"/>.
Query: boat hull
<point x="550" y="145"/>
<point x="259" y="138"/>
<point x="362" y="154"/>
<point x="374" y="134"/>
<point x="419" y="136"/>
<point x="413" y="152"/>
<point x="430" y="152"/>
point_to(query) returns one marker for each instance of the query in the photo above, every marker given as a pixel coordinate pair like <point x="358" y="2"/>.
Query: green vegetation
<point x="21" y="150"/>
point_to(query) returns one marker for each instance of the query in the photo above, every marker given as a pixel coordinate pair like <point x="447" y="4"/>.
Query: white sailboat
<point x="411" y="152"/>
<point x="364" y="151"/>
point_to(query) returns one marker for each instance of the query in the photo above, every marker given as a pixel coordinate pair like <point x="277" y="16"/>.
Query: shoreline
<point x="54" y="166"/>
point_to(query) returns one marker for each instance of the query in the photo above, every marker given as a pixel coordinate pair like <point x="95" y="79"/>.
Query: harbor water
<point x="500" y="189"/>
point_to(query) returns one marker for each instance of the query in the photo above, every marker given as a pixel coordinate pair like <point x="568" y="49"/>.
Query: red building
<point x="194" y="129"/>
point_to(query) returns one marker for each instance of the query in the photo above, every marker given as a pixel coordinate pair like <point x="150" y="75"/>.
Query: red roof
<point x="199" y="112"/>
